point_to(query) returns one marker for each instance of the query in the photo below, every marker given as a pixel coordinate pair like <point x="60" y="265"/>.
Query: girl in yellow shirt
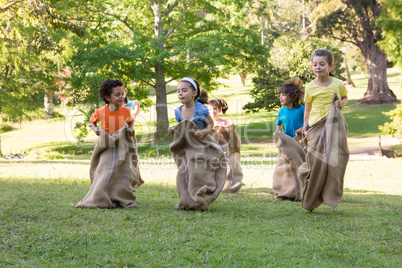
<point x="320" y="91"/>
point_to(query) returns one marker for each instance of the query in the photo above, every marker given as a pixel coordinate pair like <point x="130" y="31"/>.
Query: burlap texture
<point x="230" y="142"/>
<point x="285" y="183"/>
<point x="201" y="167"/>
<point x="327" y="155"/>
<point x="114" y="172"/>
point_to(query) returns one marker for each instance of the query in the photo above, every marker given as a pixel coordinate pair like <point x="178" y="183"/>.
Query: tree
<point x="31" y="50"/>
<point x="391" y="24"/>
<point x="154" y="43"/>
<point x="355" y="22"/>
<point x="394" y="127"/>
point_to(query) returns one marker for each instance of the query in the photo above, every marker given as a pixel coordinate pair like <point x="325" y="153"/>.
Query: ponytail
<point x="203" y="97"/>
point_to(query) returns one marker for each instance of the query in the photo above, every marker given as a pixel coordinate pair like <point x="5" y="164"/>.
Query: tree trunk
<point x="378" y="91"/>
<point x="349" y="80"/>
<point x="243" y="77"/>
<point x="162" y="122"/>
<point x="49" y="106"/>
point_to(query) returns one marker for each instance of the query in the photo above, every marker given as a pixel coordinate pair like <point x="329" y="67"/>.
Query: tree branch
<point x="114" y="16"/>
<point x="170" y="8"/>
<point x="149" y="84"/>
<point x="178" y="22"/>
<point x="174" y="78"/>
<point x="4" y="9"/>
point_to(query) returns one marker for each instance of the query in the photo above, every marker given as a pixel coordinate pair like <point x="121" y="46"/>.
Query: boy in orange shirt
<point x="113" y="115"/>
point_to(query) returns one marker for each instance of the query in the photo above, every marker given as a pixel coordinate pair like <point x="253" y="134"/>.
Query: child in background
<point x="193" y="99"/>
<point x="113" y="115"/>
<point x="216" y="107"/>
<point x="319" y="92"/>
<point x="292" y="114"/>
<point x="134" y="107"/>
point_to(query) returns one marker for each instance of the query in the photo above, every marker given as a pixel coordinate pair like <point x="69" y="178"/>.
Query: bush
<point x="393" y="128"/>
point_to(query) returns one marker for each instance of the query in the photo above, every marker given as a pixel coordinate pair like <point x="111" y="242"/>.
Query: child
<point x="193" y="108"/>
<point x="327" y="154"/>
<point x="200" y="160"/>
<point x="114" y="171"/>
<point x="291" y="116"/>
<point x="134" y="107"/>
<point x="319" y="92"/>
<point x="113" y="116"/>
<point x="215" y="108"/>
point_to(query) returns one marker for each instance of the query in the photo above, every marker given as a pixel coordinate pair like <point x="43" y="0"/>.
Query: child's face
<point x="213" y="111"/>
<point x="321" y="67"/>
<point x="185" y="92"/>
<point x="284" y="99"/>
<point x="117" y="96"/>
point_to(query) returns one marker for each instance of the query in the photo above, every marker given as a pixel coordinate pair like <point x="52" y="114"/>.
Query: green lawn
<point x="39" y="227"/>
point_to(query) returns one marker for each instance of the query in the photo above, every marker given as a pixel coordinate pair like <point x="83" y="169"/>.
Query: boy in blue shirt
<point x="291" y="116"/>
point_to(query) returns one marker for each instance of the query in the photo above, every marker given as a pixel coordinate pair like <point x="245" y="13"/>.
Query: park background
<point x="56" y="53"/>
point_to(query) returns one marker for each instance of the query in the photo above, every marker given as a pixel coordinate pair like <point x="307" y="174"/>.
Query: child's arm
<point x="95" y="128"/>
<point x="137" y="108"/>
<point x="278" y="127"/>
<point x="307" y="111"/>
<point x="207" y="129"/>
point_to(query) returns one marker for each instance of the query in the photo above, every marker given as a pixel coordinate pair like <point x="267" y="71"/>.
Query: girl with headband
<point x="193" y="99"/>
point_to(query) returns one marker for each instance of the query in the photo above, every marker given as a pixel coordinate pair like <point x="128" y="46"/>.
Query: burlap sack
<point x="201" y="167"/>
<point x="230" y="142"/>
<point x="327" y="156"/>
<point x="114" y="172"/>
<point x="285" y="183"/>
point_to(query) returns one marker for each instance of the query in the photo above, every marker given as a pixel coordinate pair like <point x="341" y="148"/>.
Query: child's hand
<point x="131" y="132"/>
<point x="299" y="131"/>
<point x="97" y="131"/>
<point x="170" y="130"/>
<point x="338" y="104"/>
<point x="199" y="134"/>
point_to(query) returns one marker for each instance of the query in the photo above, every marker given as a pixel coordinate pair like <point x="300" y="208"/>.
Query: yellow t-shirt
<point x="321" y="97"/>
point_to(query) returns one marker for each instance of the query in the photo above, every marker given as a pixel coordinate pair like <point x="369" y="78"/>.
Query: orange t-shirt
<point x="112" y="121"/>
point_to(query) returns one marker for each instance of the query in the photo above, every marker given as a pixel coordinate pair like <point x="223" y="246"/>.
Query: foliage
<point x="31" y="51"/>
<point x="393" y="128"/>
<point x="289" y="57"/>
<point x="266" y="87"/>
<point x="294" y="56"/>
<point x="149" y="44"/>
<point x="391" y="24"/>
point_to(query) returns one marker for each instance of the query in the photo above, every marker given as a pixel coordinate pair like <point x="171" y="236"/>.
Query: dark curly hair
<point x="220" y="104"/>
<point x="293" y="89"/>
<point x="106" y="88"/>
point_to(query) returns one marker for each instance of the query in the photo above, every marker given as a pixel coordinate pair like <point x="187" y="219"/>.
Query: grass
<point x="39" y="227"/>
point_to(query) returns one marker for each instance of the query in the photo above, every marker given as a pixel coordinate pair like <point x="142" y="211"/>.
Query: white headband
<point x="191" y="81"/>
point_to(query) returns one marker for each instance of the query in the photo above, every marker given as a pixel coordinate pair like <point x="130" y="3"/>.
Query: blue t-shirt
<point x="291" y="119"/>
<point x="200" y="117"/>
